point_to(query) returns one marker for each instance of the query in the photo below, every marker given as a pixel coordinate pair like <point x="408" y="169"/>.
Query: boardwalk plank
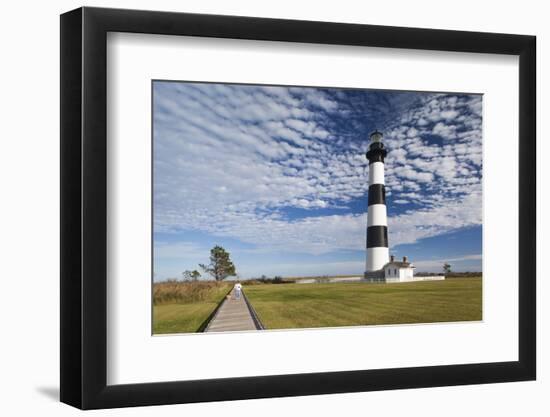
<point x="232" y="316"/>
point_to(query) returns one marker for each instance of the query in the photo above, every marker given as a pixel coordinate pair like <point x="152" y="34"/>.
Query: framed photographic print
<point x="258" y="207"/>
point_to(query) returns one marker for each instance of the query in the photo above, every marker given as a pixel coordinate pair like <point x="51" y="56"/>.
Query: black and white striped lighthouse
<point x="377" y="222"/>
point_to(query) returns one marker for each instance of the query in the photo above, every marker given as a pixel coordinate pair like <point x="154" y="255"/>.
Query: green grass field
<point x="186" y="317"/>
<point x="285" y="306"/>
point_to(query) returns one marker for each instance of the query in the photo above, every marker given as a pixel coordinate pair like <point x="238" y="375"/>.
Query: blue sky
<point x="278" y="176"/>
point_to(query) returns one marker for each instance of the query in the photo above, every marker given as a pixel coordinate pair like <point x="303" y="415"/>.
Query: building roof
<point x="399" y="264"/>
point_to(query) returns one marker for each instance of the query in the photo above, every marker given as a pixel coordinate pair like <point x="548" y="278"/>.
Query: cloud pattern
<point x="283" y="168"/>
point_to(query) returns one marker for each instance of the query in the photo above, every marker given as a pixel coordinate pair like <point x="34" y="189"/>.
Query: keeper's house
<point x="398" y="271"/>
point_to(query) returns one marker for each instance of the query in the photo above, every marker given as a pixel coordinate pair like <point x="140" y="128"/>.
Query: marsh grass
<point x="182" y="307"/>
<point x="183" y="292"/>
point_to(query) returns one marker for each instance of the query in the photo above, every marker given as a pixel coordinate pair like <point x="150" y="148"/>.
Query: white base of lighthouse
<point x="377" y="258"/>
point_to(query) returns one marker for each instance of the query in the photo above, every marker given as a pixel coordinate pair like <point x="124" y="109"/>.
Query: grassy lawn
<point x="186" y="317"/>
<point x="284" y="306"/>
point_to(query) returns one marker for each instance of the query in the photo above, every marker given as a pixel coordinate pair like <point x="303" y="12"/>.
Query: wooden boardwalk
<point x="232" y="316"/>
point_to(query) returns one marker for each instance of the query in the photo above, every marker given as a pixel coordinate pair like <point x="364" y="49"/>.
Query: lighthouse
<point x="380" y="268"/>
<point x="377" y="222"/>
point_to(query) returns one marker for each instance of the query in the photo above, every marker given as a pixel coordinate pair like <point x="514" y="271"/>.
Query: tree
<point x="191" y="275"/>
<point x="447" y="268"/>
<point x="220" y="266"/>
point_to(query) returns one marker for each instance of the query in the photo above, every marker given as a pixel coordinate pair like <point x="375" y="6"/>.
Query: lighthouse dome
<point x="376" y="136"/>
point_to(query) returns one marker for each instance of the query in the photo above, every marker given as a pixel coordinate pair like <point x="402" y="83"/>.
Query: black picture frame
<point x="84" y="207"/>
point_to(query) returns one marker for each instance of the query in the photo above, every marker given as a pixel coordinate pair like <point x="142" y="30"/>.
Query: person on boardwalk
<point x="238" y="288"/>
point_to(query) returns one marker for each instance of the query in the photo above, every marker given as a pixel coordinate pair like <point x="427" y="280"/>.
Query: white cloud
<point x="412" y="132"/>
<point x="444" y="130"/>
<point x="449" y="114"/>
<point x="437" y="264"/>
<point x="409" y="173"/>
<point x="443" y="217"/>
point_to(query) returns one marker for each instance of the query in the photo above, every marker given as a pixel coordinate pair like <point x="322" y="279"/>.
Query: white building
<point x="398" y="271"/>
